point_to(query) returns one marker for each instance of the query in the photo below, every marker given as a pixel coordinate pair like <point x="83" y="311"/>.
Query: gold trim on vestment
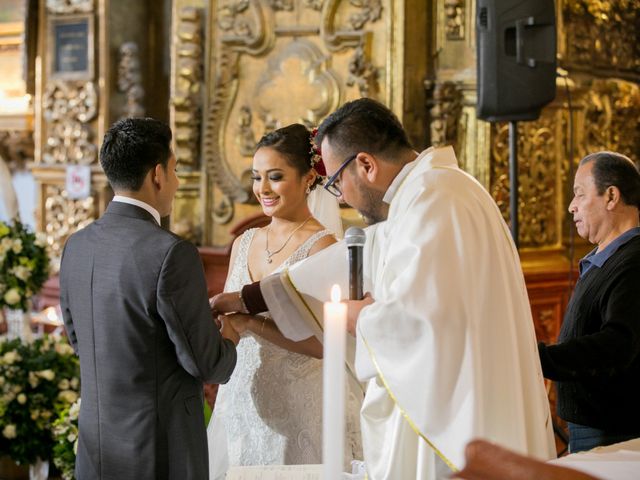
<point x="411" y="423"/>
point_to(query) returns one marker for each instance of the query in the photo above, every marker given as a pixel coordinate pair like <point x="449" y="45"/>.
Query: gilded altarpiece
<point x="275" y="62"/>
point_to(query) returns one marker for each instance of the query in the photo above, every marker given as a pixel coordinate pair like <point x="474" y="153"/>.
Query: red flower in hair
<point x="316" y="155"/>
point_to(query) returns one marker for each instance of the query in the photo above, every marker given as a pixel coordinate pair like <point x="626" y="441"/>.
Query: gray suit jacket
<point x="135" y="307"/>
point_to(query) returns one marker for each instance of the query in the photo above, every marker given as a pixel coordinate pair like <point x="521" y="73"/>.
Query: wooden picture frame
<point x="71" y="47"/>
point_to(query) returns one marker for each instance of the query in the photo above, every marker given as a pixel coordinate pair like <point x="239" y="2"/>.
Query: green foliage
<point x="65" y="432"/>
<point x="37" y="381"/>
<point x="24" y="265"/>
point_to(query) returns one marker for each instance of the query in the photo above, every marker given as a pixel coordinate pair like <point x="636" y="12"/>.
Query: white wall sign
<point x="78" y="181"/>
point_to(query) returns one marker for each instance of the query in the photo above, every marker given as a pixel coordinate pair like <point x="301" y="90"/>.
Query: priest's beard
<point x="372" y="208"/>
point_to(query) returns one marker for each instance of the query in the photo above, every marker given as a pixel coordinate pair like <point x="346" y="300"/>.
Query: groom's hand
<point x="353" y="311"/>
<point x="228" y="302"/>
<point x="227" y="330"/>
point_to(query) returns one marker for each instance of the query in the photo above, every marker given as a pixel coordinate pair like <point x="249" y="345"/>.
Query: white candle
<point x="333" y="416"/>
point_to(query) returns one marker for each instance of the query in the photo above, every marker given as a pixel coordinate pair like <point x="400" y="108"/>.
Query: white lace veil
<point x="325" y="208"/>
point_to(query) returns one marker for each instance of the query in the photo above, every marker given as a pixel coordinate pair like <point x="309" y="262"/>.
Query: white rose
<point x="33" y="380"/>
<point x="63" y="348"/>
<point x="46" y="374"/>
<point x="41" y="240"/>
<point x="68" y="396"/>
<point x="6" y="244"/>
<point x="74" y="382"/>
<point x="71" y="437"/>
<point x="11" y="357"/>
<point x="1" y="380"/>
<point x="9" y="431"/>
<point x="35" y="414"/>
<point x="46" y="414"/>
<point x="21" y="272"/>
<point x="74" y="410"/>
<point x="12" y="296"/>
<point x="75" y="447"/>
<point x="63" y="384"/>
<point x="17" y="246"/>
<point x="22" y="399"/>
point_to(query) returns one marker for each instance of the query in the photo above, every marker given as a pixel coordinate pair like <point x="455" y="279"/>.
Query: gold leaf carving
<point x="362" y="73"/>
<point x="246" y="138"/>
<point x="454" y="13"/>
<point x="612" y="117"/>
<point x="186" y="100"/>
<point x="63" y="216"/>
<point x="537" y="171"/>
<point x="69" y="6"/>
<point x="296" y="77"/>
<point x="247" y="25"/>
<point x="602" y="34"/>
<point x="286" y="5"/>
<point x="68" y="109"/>
<point x="445" y="111"/>
<point x="314" y="4"/>
<point x="130" y="80"/>
<point x="370" y="11"/>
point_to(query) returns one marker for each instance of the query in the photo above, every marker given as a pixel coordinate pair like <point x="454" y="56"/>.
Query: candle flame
<point x="336" y="294"/>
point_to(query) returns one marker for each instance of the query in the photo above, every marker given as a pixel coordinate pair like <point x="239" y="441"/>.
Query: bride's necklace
<point x="270" y="253"/>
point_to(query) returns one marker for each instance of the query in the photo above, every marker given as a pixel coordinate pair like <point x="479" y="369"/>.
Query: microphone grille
<point x="355" y="237"/>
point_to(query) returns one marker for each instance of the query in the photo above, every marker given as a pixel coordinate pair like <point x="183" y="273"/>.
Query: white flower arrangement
<point x="38" y="381"/>
<point x="24" y="265"/>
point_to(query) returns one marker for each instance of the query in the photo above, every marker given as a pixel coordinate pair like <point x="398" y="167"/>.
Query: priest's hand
<point x="227" y="302"/>
<point x="353" y="311"/>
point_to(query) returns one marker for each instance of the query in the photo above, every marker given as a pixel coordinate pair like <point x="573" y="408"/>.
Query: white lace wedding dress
<point x="271" y="408"/>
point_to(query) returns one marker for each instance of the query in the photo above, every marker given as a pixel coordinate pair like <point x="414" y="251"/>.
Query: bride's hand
<point x="239" y="321"/>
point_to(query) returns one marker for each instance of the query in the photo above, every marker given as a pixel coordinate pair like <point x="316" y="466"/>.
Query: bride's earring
<point x="308" y="190"/>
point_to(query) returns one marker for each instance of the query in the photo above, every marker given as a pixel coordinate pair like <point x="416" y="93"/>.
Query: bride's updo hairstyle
<point x="294" y="143"/>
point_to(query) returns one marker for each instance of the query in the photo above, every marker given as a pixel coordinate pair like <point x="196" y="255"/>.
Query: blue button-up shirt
<point x="593" y="259"/>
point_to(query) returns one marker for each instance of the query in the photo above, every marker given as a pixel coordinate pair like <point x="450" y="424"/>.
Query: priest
<point x="445" y="339"/>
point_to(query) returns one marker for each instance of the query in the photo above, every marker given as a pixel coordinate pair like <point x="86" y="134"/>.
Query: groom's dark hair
<point x="364" y="125"/>
<point x="132" y="147"/>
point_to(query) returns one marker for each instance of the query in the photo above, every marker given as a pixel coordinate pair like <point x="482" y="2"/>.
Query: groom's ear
<point x="158" y="175"/>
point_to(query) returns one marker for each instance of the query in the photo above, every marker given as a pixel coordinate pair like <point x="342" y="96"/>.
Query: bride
<point x="270" y="411"/>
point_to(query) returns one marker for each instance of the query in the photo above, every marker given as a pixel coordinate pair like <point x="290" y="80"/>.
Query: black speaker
<point x="516" y="47"/>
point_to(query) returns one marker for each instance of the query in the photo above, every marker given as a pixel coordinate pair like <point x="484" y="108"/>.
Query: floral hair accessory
<point x="316" y="155"/>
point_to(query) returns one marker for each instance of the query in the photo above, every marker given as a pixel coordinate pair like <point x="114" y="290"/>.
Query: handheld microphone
<point x="355" y="238"/>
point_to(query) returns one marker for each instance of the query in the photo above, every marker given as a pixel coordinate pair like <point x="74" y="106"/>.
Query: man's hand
<point x="228" y="302"/>
<point x="353" y="311"/>
<point x="227" y="330"/>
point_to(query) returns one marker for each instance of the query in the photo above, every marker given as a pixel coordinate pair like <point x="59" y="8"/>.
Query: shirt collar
<point x="599" y="259"/>
<point x="138" y="203"/>
<point x="397" y="181"/>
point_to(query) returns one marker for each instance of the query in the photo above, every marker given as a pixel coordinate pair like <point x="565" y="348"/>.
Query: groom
<point x="135" y="307"/>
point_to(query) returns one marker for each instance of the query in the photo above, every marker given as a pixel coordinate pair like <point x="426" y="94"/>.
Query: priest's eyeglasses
<point x="333" y="184"/>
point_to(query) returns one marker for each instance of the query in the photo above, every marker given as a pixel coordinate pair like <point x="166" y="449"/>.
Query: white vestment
<point x="448" y="347"/>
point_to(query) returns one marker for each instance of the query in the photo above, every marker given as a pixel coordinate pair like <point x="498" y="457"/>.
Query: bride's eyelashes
<point x="273" y="178"/>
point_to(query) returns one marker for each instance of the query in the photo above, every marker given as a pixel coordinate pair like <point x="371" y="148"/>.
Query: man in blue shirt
<point x="596" y="362"/>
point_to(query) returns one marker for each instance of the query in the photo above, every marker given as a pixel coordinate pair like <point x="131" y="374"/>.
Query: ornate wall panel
<point x="277" y="62"/>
